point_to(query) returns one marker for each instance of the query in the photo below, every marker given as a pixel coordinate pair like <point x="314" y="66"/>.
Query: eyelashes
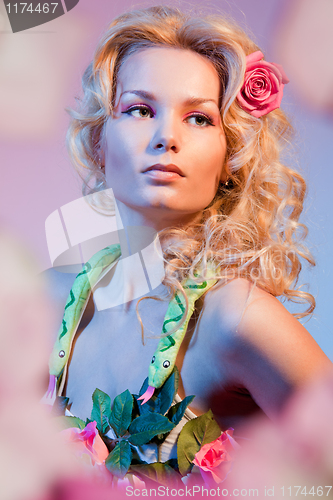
<point x="201" y="119"/>
<point x="143" y="111"/>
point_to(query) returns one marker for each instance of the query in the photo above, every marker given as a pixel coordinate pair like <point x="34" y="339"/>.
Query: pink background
<point x="40" y="72"/>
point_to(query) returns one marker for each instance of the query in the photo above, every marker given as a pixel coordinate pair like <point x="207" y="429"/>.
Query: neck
<point x="138" y="229"/>
<point x="134" y="234"/>
<point x="141" y="267"/>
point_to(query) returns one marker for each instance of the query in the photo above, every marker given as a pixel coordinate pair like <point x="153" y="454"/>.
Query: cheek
<point x="210" y="157"/>
<point x="123" y="143"/>
<point x="117" y="154"/>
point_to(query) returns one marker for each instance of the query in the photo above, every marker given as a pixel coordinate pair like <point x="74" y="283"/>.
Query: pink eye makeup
<point x="139" y="111"/>
<point x="200" y="119"/>
<point x="142" y="110"/>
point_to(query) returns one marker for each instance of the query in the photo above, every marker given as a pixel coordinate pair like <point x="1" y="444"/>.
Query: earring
<point x="224" y="185"/>
<point x="99" y="163"/>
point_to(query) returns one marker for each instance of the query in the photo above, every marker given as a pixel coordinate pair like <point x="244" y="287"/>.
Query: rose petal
<point x="101" y="451"/>
<point x="258" y="86"/>
<point x="269" y="78"/>
<point x="246" y="105"/>
<point x="229" y="440"/>
<point x="257" y="113"/>
<point x="265" y="66"/>
<point x="255" y="56"/>
<point x="263" y="86"/>
<point x="88" y="434"/>
<point x="212" y="454"/>
<point x="87" y="442"/>
<point x="285" y="79"/>
<point x="221" y="472"/>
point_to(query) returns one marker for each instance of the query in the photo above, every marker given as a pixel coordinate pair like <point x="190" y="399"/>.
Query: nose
<point x="167" y="135"/>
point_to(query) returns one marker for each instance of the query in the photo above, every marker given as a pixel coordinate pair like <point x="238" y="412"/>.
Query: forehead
<point x="169" y="71"/>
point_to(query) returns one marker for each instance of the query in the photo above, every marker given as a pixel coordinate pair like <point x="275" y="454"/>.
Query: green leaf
<point x="67" y="422"/>
<point x="172" y="462"/>
<point x="149" y="406"/>
<point x="135" y="458"/>
<point x="194" y="434"/>
<point x="119" y="460"/>
<point x="176" y="412"/>
<point x="136" y="404"/>
<point x="162" y="398"/>
<point x="59" y="406"/>
<point x="101" y="410"/>
<point x="144" y="386"/>
<point x="145" y="427"/>
<point x="167" y="392"/>
<point x="158" y="472"/>
<point x="121" y="414"/>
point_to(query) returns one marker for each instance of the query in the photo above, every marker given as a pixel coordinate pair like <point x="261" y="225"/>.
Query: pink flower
<point x="215" y="459"/>
<point x="262" y="89"/>
<point x="87" y="442"/>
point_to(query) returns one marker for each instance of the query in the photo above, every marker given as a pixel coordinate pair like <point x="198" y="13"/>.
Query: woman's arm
<point x="272" y="353"/>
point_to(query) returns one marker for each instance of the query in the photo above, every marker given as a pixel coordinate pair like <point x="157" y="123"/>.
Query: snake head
<point x="159" y="370"/>
<point x="161" y="367"/>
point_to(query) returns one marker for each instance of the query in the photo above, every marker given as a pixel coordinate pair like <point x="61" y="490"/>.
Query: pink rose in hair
<point x="215" y="459"/>
<point x="262" y="89"/>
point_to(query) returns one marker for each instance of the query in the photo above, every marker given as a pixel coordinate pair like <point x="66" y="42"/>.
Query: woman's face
<point x="165" y="146"/>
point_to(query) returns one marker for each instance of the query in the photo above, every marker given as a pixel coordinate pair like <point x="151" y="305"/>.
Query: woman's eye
<point x="200" y="120"/>
<point x="140" y="112"/>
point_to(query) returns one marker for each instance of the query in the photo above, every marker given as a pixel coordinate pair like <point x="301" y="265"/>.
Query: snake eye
<point x="153" y="360"/>
<point x="166" y="363"/>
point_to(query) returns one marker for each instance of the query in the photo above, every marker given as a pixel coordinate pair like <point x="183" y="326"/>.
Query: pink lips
<point x="165" y="168"/>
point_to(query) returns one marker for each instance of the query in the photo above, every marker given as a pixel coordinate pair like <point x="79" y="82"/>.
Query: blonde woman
<point x="180" y="117"/>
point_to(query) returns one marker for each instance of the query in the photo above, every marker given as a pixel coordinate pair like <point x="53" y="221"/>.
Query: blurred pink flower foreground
<point x="215" y="459"/>
<point x="295" y="450"/>
<point x="87" y="441"/>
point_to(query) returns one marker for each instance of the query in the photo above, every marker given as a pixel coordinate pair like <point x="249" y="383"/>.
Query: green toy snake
<point x="164" y="359"/>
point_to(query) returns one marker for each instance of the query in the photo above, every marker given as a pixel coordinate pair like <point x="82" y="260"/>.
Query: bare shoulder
<point x="268" y="326"/>
<point x="228" y="302"/>
<point x="267" y="350"/>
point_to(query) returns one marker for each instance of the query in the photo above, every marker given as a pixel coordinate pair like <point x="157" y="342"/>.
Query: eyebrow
<point x="191" y="101"/>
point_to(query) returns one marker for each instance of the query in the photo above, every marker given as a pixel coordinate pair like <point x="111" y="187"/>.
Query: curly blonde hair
<point x="251" y="228"/>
